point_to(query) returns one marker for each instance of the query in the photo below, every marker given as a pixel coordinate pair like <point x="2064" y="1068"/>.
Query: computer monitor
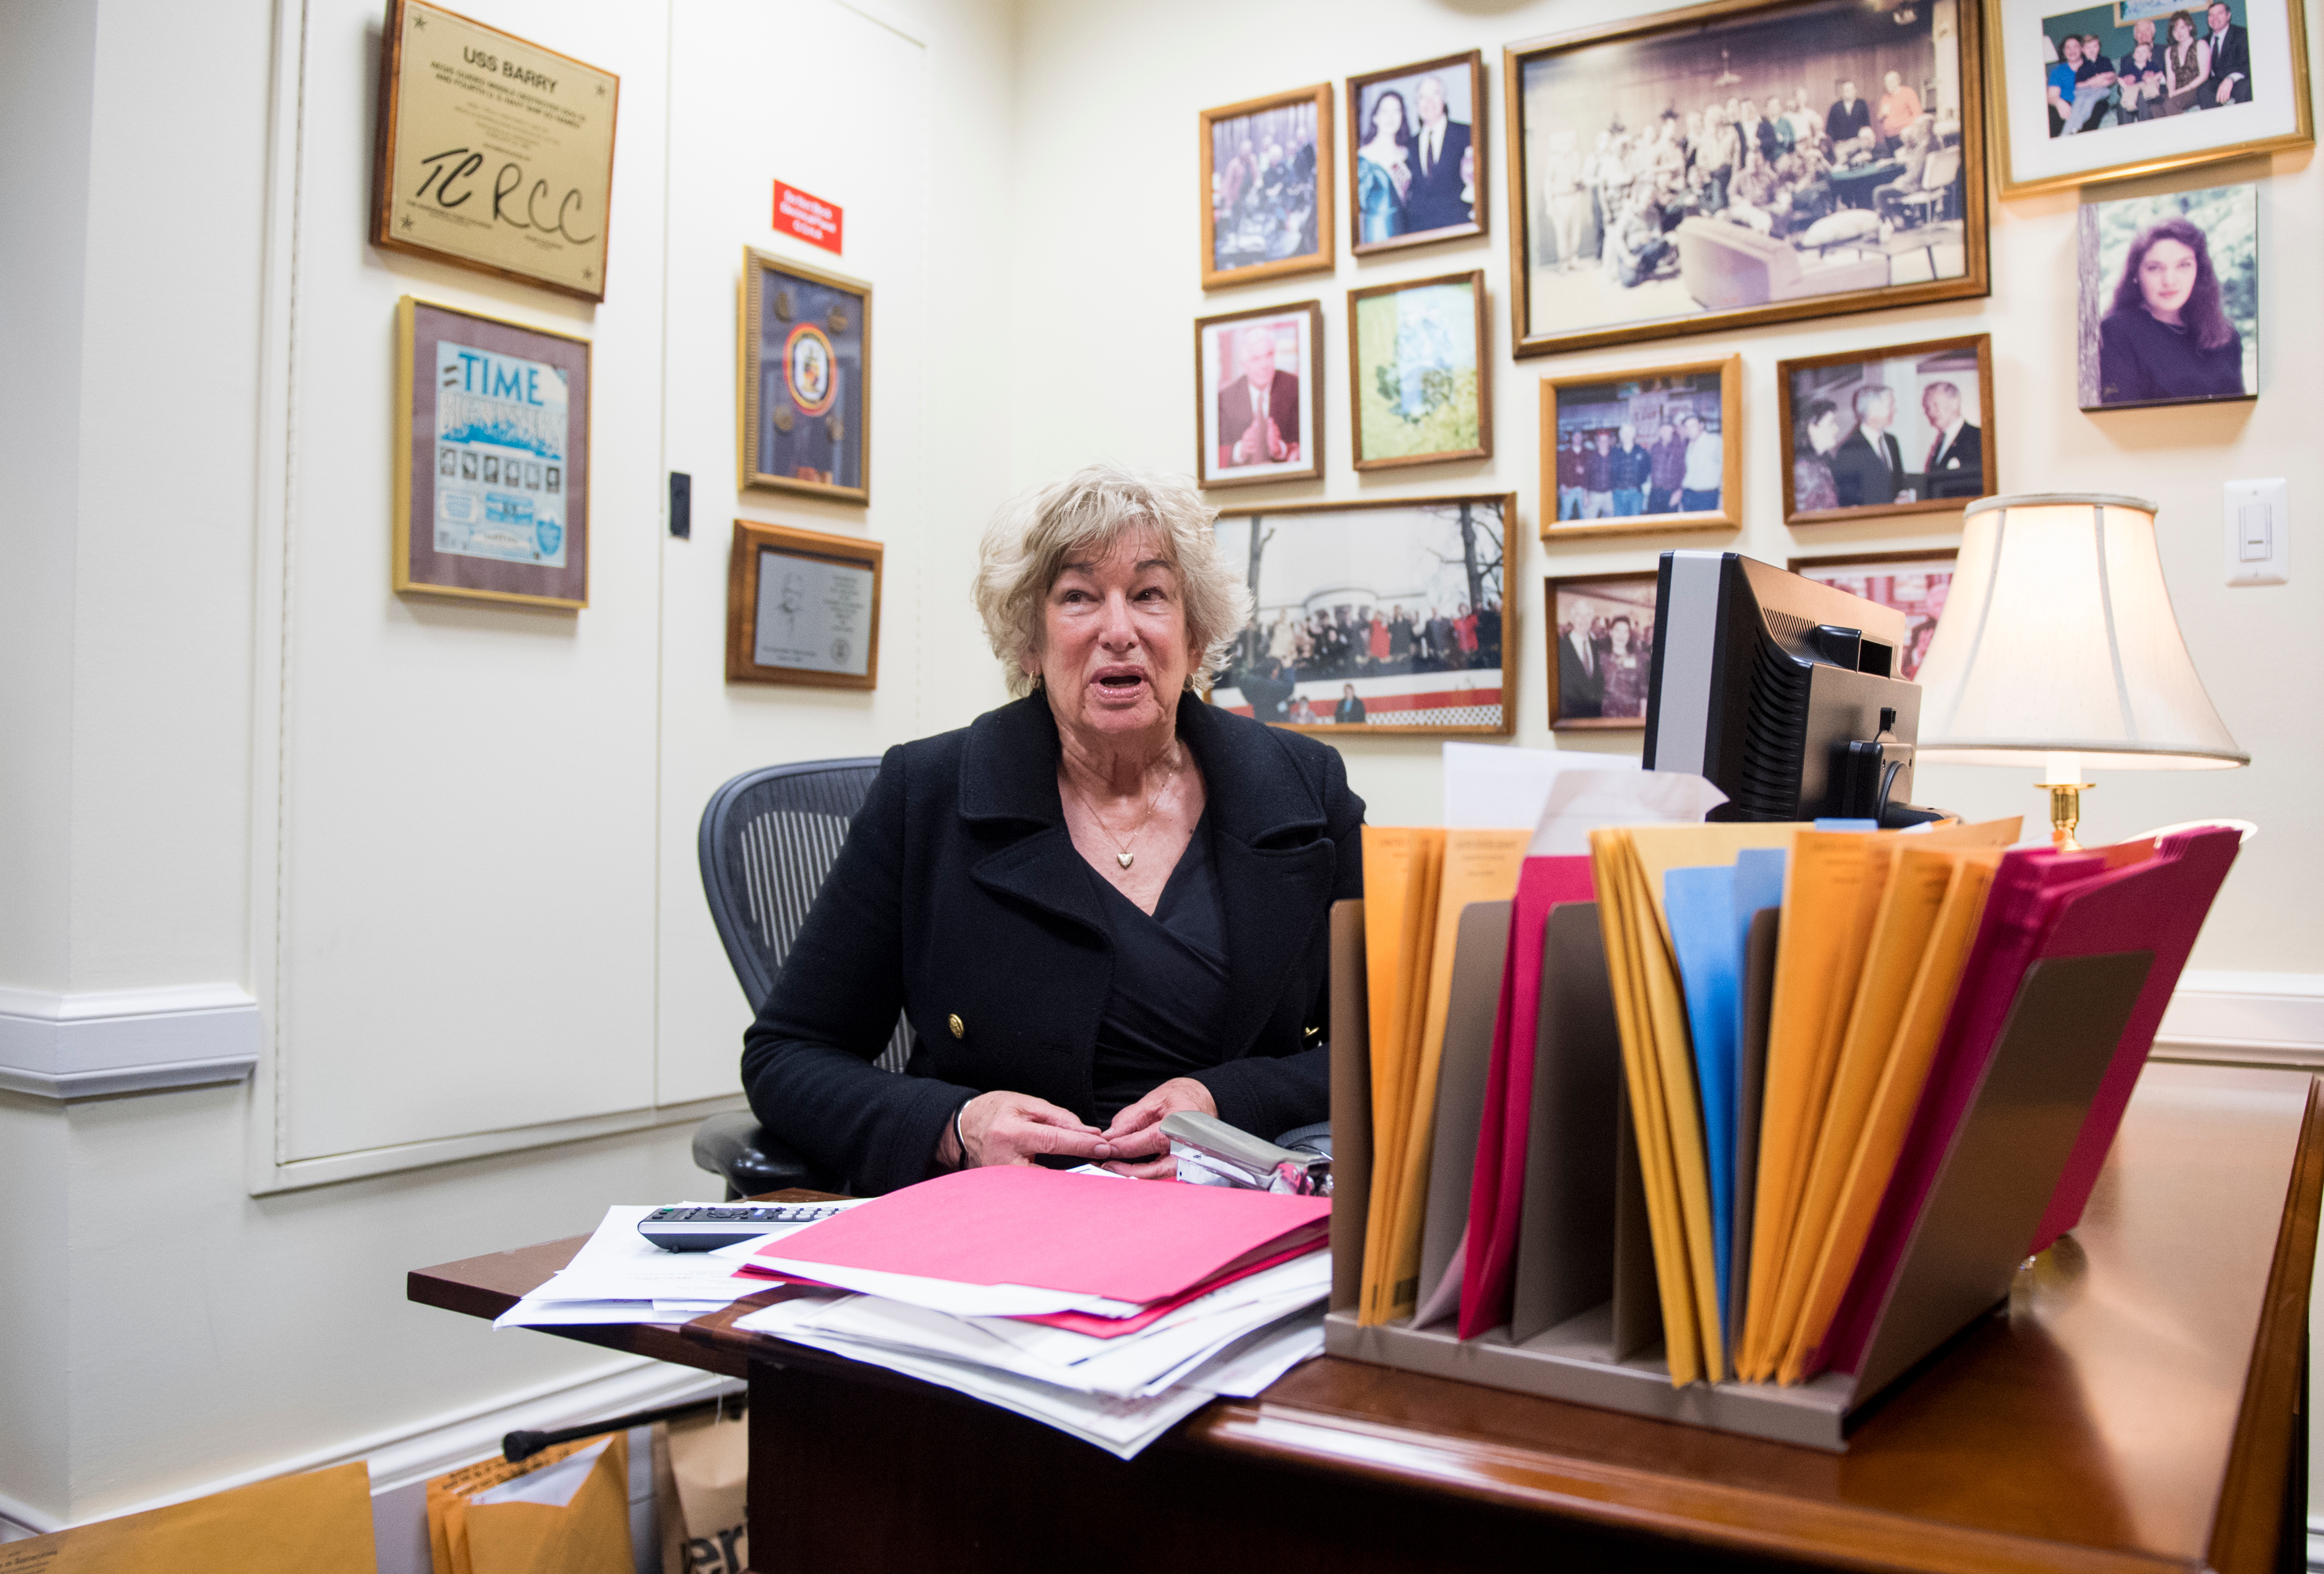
<point x="1776" y="689"/>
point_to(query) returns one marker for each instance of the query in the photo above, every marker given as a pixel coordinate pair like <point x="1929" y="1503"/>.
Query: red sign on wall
<point x="810" y="219"/>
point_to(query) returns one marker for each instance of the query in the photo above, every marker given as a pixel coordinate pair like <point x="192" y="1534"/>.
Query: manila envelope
<point x="292" y="1525"/>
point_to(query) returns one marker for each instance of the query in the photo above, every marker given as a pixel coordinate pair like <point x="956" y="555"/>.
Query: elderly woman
<point x="1098" y="904"/>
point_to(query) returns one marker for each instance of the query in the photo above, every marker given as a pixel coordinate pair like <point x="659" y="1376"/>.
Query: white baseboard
<point x="125" y="1041"/>
<point x="403" y="1456"/>
<point x="2269" y="1019"/>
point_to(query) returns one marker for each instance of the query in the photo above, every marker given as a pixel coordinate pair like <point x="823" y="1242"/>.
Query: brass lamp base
<point x="2066" y="812"/>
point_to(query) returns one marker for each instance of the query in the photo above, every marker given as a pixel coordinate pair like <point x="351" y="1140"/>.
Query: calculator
<point x="706" y="1228"/>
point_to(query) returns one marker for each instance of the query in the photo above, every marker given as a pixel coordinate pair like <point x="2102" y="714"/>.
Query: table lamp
<point x="2058" y="644"/>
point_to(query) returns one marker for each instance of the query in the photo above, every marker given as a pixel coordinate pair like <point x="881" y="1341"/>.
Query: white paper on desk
<point x="1582" y="801"/>
<point x="532" y="1313"/>
<point x="951" y="1295"/>
<point x="618" y="1263"/>
<point x="1496" y="787"/>
<point x="1251" y="1366"/>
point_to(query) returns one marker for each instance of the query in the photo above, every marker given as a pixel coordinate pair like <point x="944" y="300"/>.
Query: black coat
<point x="2142" y="361"/>
<point x="959" y="899"/>
<point x="1433" y="202"/>
<point x="1865" y="474"/>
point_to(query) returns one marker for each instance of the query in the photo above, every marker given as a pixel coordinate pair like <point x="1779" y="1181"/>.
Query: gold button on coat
<point x="959" y="1028"/>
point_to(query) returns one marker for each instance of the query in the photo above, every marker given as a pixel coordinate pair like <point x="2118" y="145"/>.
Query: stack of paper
<point x="619" y="1276"/>
<point x="1107" y="1309"/>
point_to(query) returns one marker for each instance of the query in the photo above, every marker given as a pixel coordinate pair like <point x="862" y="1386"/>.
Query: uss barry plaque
<point x="493" y="153"/>
<point x="802" y="607"/>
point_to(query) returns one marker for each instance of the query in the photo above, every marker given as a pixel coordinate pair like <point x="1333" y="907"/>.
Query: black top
<point x="2142" y="361"/>
<point x="1169" y="981"/>
<point x="959" y="900"/>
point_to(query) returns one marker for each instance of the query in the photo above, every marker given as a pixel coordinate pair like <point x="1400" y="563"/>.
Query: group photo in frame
<point x="1259" y="399"/>
<point x="1744" y="163"/>
<point x="2169" y="297"/>
<point x="492" y="459"/>
<point x="1900" y="429"/>
<point x="1601" y="651"/>
<point x="1386" y="616"/>
<point x="1266" y="187"/>
<point x="802" y="607"/>
<point x="1659" y="448"/>
<point x="2127" y="88"/>
<point x="1420" y="383"/>
<point x="1912" y="583"/>
<point x="1416" y="154"/>
<point x="805" y="360"/>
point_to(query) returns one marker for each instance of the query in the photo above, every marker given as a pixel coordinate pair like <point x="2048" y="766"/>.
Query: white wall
<point x="231" y="750"/>
<point x="1107" y="95"/>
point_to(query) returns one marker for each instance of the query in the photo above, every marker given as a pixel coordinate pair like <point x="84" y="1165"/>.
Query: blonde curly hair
<point x="1036" y="534"/>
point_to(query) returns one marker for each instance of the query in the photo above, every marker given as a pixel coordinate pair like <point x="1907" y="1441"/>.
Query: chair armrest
<point x="751" y="1158"/>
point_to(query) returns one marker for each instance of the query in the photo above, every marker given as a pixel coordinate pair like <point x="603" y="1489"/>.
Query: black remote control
<point x="706" y="1230"/>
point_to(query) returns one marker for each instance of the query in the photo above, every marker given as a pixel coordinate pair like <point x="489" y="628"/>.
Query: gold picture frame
<point x="1581" y="683"/>
<point x="818" y="627"/>
<point x="1717" y="276"/>
<point x="1629" y="393"/>
<point x="1304" y="321"/>
<point x="1365" y="374"/>
<point x="1448" y="557"/>
<point x="1931" y="355"/>
<point x="492" y="459"/>
<point x="445" y="183"/>
<point x="1239" y="194"/>
<point x="1470" y="68"/>
<point x="803" y="407"/>
<point x="2027" y="163"/>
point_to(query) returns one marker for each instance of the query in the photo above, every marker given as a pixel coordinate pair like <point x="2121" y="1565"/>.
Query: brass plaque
<point x="493" y="153"/>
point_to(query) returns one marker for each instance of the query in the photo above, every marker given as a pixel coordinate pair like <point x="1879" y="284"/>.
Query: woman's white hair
<point x="1036" y="534"/>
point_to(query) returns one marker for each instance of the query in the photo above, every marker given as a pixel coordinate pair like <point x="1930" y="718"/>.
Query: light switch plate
<point x="2259" y="523"/>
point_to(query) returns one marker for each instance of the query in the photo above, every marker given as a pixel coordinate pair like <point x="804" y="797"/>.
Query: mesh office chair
<point x="768" y="839"/>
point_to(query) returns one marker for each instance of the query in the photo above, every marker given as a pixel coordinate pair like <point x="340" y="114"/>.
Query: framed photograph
<point x="1743" y="162"/>
<point x="1387" y="617"/>
<point x="1416" y="154"/>
<point x="1629" y="453"/>
<point x="1420" y="384"/>
<point x="806" y="361"/>
<point x="2170" y="297"/>
<point x="492" y="153"/>
<point x="1901" y="430"/>
<point x="1914" y="583"/>
<point x="1266" y="187"/>
<point x="802" y="607"/>
<point x="1259" y="398"/>
<point x="1601" y="651"/>
<point x="492" y="459"/>
<point x="2135" y="87"/>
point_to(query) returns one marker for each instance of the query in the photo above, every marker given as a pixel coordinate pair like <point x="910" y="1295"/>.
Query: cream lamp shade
<point x="2057" y="640"/>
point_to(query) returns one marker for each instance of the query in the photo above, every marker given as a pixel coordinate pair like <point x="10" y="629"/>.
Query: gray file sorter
<point x="1968" y="1241"/>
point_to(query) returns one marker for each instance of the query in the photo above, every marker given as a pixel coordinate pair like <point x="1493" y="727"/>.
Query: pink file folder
<point x="2043" y="904"/>
<point x="1139" y="1241"/>
<point x="1496" y="1192"/>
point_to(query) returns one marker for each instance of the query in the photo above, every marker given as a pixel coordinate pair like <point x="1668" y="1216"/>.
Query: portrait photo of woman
<point x="2169" y="299"/>
<point x="1384" y="170"/>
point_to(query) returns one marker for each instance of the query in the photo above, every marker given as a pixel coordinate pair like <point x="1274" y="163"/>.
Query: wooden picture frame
<point x="1397" y="222"/>
<point x="476" y="396"/>
<point x="1449" y="557"/>
<point x="1380" y="394"/>
<point x="1255" y="220"/>
<point x="2275" y="115"/>
<point x="1569" y="410"/>
<point x="818" y="626"/>
<point x="443" y="184"/>
<point x="798" y="434"/>
<point x="1715" y="274"/>
<point x="1861" y="573"/>
<point x="1579" y="684"/>
<point x="1218" y="345"/>
<point x="1962" y="478"/>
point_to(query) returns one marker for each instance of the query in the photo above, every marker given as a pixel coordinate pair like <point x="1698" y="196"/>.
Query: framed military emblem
<point x="492" y="459"/>
<point x="805" y="360"/>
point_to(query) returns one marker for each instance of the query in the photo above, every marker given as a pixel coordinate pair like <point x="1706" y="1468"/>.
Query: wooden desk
<point x="2136" y="1408"/>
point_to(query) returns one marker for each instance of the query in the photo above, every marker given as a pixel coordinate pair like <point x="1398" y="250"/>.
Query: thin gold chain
<point x="1153" y="802"/>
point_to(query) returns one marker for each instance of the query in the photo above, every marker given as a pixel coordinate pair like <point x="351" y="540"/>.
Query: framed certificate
<point x="802" y="607"/>
<point x="492" y="153"/>
<point x="492" y="459"/>
<point x="806" y="367"/>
